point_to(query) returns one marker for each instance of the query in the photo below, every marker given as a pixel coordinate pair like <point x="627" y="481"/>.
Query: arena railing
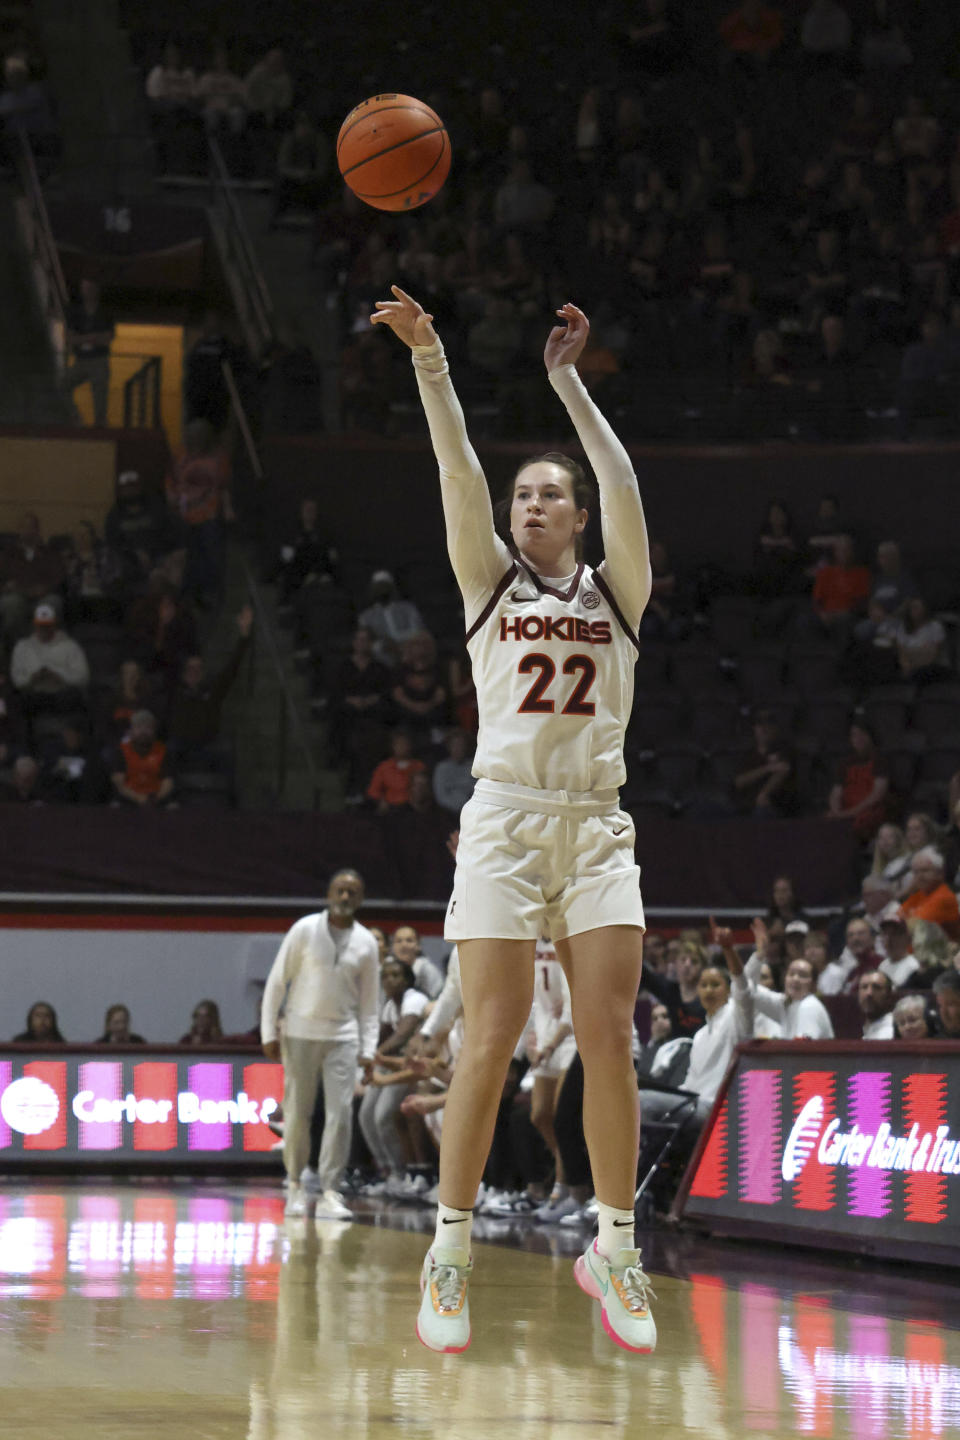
<point x="141" y="395"/>
<point x="37" y="234"/>
<point x="248" y="287"/>
<point x="290" y="730"/>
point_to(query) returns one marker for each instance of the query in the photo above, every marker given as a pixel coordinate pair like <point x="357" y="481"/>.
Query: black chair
<point x="761" y="672"/>
<point x="813" y="668"/>
<point x="714" y="719"/>
<point x="696" y="669"/>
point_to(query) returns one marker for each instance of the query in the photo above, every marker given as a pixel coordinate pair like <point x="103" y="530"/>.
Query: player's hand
<point x="565" y="342"/>
<point x="721" y="935"/>
<point x="761" y="935"/>
<point x="271" y="1048"/>
<point x="407" y="319"/>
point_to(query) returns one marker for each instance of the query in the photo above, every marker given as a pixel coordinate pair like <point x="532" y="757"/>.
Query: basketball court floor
<point x="196" y="1310"/>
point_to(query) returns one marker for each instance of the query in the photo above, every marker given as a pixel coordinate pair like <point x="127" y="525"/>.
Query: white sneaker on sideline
<point x="296" y="1201"/>
<point x="330" y="1206"/>
<point x="443" y="1322"/>
<point x="310" y="1180"/>
<point x="624" y="1292"/>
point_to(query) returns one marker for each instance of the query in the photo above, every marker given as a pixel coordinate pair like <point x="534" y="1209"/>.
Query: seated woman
<point x="921" y="645"/>
<point x="116" y="1028"/>
<point x="42" y="1027"/>
<point x="728" y="1002"/>
<point x="392" y="1079"/>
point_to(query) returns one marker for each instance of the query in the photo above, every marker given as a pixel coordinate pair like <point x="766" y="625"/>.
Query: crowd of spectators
<point x="105" y="696"/>
<point x="43" y="1028"/>
<point x="883" y="971"/>
<point x="765" y="231"/>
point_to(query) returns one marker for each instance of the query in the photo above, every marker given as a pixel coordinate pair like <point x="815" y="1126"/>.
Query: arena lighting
<point x="853" y="1145"/>
<point x="146" y="1106"/>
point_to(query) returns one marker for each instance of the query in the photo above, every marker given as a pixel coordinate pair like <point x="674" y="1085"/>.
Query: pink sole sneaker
<point x="589" y="1287"/>
<point x="440" y="1349"/>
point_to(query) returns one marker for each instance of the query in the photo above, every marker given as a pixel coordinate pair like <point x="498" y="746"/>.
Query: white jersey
<point x="554" y="676"/>
<point x="551" y="999"/>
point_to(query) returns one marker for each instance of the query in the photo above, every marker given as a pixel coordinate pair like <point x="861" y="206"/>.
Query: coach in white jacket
<point x="326" y="981"/>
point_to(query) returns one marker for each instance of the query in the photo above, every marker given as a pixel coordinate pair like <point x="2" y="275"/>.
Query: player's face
<point x="544" y="519"/>
<point x="394" y="981"/>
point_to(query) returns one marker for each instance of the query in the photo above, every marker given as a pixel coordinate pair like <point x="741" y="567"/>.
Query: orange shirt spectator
<point x="842" y="587"/>
<point x="932" y="899"/>
<point x="752" y="29"/>
<point x="390" y="782"/>
<point x="139" y="772"/>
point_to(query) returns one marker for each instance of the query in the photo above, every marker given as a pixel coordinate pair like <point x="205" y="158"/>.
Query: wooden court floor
<point x="196" y="1311"/>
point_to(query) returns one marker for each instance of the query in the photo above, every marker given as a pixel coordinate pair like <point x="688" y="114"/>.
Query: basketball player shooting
<point x="544" y="847"/>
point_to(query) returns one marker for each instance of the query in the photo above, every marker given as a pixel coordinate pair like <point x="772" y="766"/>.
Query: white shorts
<point x="542" y="862"/>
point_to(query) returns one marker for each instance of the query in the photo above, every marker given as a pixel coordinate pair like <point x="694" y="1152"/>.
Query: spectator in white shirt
<point x="326" y="981"/>
<point x="858" y="957"/>
<point x="171" y="84"/>
<point x="900" y="965"/>
<point x="392" y="1078"/>
<point x="405" y="946"/>
<point x="452" y="779"/>
<point x="391" y="620"/>
<point x="222" y="95"/>
<point x="875" y="998"/>
<point x="728" y="1004"/>
<point x="798" y="1012"/>
<point x="48" y="668"/>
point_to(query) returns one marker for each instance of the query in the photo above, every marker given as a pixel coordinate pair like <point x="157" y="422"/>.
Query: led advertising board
<point x="150" y="1107"/>
<point x="853" y="1145"/>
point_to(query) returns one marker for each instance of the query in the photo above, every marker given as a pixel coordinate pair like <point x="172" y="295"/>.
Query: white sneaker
<point x="296" y="1201"/>
<point x="395" y="1187"/>
<point x="310" y="1180"/>
<point x="582" y="1216"/>
<point x="624" y="1293"/>
<point x="551" y="1212"/>
<point x="330" y="1206"/>
<point x="373" y="1189"/>
<point x="443" y="1322"/>
<point x="416" y="1187"/>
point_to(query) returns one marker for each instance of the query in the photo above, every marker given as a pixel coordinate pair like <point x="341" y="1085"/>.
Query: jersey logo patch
<point x="590" y="599"/>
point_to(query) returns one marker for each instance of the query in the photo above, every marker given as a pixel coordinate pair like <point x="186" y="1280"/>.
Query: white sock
<point x="453" y="1232"/>
<point x="616" y="1230"/>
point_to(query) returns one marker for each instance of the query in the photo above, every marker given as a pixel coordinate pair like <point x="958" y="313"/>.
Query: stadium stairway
<point x="252" y="713"/>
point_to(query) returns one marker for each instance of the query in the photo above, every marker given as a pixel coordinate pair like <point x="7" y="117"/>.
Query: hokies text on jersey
<point x="550" y="627"/>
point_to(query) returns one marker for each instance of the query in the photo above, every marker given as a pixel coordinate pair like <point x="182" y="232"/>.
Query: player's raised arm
<point x="479" y="558"/>
<point x="625" y="543"/>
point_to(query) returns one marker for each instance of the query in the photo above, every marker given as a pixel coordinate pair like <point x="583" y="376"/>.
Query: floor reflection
<point x="147" y="1311"/>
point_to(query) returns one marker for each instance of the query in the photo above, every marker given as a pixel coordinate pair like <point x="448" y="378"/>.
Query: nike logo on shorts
<point x="622" y="830"/>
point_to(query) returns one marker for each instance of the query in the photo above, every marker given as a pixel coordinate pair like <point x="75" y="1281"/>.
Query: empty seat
<point x="653" y="722"/>
<point x="814" y="669"/>
<point x="761" y="670"/>
<point x="725" y="763"/>
<point x="939" y="763"/>
<point x="888" y="719"/>
<point x="938" y="718"/>
<point x="901" y="766"/>
<point x="203" y="787"/>
<point x="651" y="668"/>
<point x="829" y="720"/>
<point x="678" y="765"/>
<point x="714" y="719"/>
<point x="696" y="668"/>
<point x="733" y="622"/>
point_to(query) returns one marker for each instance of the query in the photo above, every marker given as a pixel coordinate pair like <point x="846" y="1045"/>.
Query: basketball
<point x="394" y="152"/>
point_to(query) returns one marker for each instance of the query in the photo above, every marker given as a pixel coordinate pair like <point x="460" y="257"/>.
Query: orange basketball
<point x="394" y="152"/>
